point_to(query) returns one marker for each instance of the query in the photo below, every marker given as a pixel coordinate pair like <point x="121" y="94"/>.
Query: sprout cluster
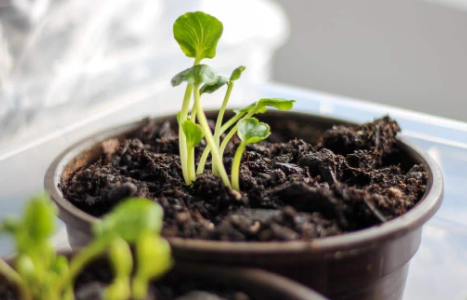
<point x="40" y="273"/>
<point x="197" y="34"/>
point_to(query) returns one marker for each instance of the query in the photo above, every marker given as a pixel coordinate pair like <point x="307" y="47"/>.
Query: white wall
<point x="406" y="53"/>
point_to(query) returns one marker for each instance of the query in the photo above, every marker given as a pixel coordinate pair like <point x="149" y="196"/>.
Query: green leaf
<point x="198" y="33"/>
<point x="204" y="74"/>
<point x="131" y="219"/>
<point x="261" y="105"/>
<point x="251" y="131"/>
<point x="221" y="81"/>
<point x="119" y="290"/>
<point x="150" y="249"/>
<point x="39" y="218"/>
<point x="282" y="104"/>
<point x="61" y="265"/>
<point x="237" y="73"/>
<point x="198" y="74"/>
<point x="25" y="267"/>
<point x="250" y="107"/>
<point x="180" y="77"/>
<point x="193" y="132"/>
<point x="121" y="258"/>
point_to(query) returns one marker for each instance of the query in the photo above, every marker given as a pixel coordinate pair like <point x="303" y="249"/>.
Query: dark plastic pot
<point x="364" y="265"/>
<point x="258" y="284"/>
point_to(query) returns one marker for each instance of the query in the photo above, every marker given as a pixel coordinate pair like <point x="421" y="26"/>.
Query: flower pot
<point x="363" y="265"/>
<point x="258" y="284"/>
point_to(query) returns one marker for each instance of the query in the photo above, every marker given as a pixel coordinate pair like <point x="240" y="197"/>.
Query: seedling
<point x="40" y="274"/>
<point x="196" y="76"/>
<point x="198" y="34"/>
<point x="250" y="131"/>
<point x="247" y="112"/>
<point x="217" y="132"/>
<point x="251" y="110"/>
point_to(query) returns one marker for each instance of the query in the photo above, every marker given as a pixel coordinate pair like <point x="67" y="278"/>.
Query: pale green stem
<point x="181" y="135"/>
<point x="227" y="139"/>
<point x="220" y="118"/>
<point x="50" y="293"/>
<point x="232" y="132"/>
<point x="140" y="288"/>
<point x="191" y="164"/>
<point x="236" y="166"/>
<point x="209" y="138"/>
<point x="231" y="122"/>
<point x="203" y="159"/>
<point x="207" y="150"/>
<point x="121" y="260"/>
<point x="10" y="274"/>
<point x="193" y="113"/>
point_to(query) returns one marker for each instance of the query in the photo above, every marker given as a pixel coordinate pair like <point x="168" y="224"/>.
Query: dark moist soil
<point x="347" y="179"/>
<point x="91" y="283"/>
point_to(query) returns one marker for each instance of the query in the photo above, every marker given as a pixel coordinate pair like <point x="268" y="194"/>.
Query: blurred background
<point x="406" y="53"/>
<point x="65" y="61"/>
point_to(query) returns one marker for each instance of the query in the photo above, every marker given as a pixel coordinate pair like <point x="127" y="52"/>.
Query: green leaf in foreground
<point x="39" y="218"/>
<point x="121" y="260"/>
<point x="198" y="33"/>
<point x="150" y="249"/>
<point x="130" y="219"/>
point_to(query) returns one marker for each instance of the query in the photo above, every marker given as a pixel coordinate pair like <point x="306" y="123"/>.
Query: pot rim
<point x="372" y="236"/>
<point x="246" y="277"/>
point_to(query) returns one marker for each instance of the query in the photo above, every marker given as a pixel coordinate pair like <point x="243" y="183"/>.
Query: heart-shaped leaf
<point x="251" y="131"/>
<point x="151" y="249"/>
<point x="193" y="132"/>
